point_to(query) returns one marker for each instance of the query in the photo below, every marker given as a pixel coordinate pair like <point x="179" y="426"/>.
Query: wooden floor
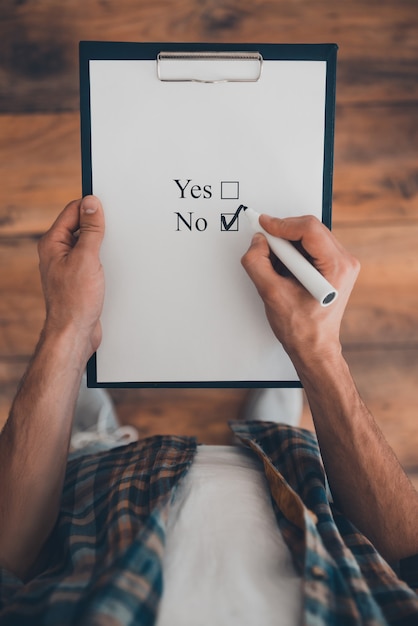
<point x="375" y="183"/>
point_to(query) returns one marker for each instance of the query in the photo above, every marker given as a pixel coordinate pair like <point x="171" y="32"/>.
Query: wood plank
<point x="386" y="379"/>
<point x="21" y="301"/>
<point x="375" y="165"/>
<point x="40" y="170"/>
<point x="375" y="173"/>
<point x="387" y="382"/>
<point x="38" y="43"/>
<point x="203" y="413"/>
<point x="195" y="412"/>
<point x="383" y="309"/>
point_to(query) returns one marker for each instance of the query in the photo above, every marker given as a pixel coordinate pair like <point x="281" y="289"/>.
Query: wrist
<point x="71" y="342"/>
<point x="331" y="392"/>
<point x="314" y="363"/>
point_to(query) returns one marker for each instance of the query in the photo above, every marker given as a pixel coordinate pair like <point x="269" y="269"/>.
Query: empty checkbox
<point x="229" y="190"/>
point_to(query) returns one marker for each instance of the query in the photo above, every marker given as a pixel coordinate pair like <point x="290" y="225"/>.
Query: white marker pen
<point x="300" y="267"/>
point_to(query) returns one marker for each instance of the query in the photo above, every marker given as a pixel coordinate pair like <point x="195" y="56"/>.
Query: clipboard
<point x="174" y="138"/>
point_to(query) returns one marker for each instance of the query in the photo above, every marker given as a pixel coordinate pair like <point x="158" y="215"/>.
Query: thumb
<point x="91" y="223"/>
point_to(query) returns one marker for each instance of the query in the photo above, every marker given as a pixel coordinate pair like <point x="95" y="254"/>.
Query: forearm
<point x="366" y="479"/>
<point x="34" y="446"/>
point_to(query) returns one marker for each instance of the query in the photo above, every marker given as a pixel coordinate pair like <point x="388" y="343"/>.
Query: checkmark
<point x="228" y="224"/>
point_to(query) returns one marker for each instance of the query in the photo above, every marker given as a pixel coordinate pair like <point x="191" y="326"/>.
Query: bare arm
<point x="34" y="442"/>
<point x="366" y="479"/>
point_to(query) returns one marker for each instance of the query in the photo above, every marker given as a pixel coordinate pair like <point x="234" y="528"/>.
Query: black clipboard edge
<point x="202" y="385"/>
<point x="104" y="50"/>
<point x="330" y="101"/>
<point x="108" y="50"/>
<point x="85" y="123"/>
<point x="234" y="384"/>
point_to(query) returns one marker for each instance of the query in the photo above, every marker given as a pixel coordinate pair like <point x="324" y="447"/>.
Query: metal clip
<point x="209" y="67"/>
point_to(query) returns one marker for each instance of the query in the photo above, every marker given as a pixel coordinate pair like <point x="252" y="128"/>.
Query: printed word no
<point x="190" y="222"/>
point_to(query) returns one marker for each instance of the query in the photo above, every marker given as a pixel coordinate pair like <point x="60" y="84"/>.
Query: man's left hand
<point x="71" y="272"/>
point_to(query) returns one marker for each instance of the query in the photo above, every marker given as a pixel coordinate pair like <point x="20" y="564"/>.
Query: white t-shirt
<point x="225" y="561"/>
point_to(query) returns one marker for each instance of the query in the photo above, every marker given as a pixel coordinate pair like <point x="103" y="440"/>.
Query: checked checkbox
<point x="229" y="221"/>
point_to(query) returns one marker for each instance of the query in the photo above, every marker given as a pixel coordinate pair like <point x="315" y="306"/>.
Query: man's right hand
<point x="300" y="323"/>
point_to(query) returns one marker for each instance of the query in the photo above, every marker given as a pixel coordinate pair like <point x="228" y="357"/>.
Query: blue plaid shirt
<point x="103" y="561"/>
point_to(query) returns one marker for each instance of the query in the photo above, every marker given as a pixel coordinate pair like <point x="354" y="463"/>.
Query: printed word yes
<point x="188" y="190"/>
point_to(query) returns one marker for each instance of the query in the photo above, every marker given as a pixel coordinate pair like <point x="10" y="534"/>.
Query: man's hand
<point x="34" y="442"/>
<point x="71" y="272"/>
<point x="366" y="479"/>
<point x="297" y="319"/>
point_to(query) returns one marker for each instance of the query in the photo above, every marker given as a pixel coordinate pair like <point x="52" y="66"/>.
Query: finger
<point x="67" y="222"/>
<point x="327" y="254"/>
<point x="59" y="239"/>
<point x="92" y="224"/>
<point x="315" y="238"/>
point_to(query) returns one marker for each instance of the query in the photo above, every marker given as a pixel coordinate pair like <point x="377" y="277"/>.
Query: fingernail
<point x="89" y="205"/>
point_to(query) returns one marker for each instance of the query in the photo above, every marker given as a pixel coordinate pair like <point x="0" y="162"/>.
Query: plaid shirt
<point x="104" y="561"/>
